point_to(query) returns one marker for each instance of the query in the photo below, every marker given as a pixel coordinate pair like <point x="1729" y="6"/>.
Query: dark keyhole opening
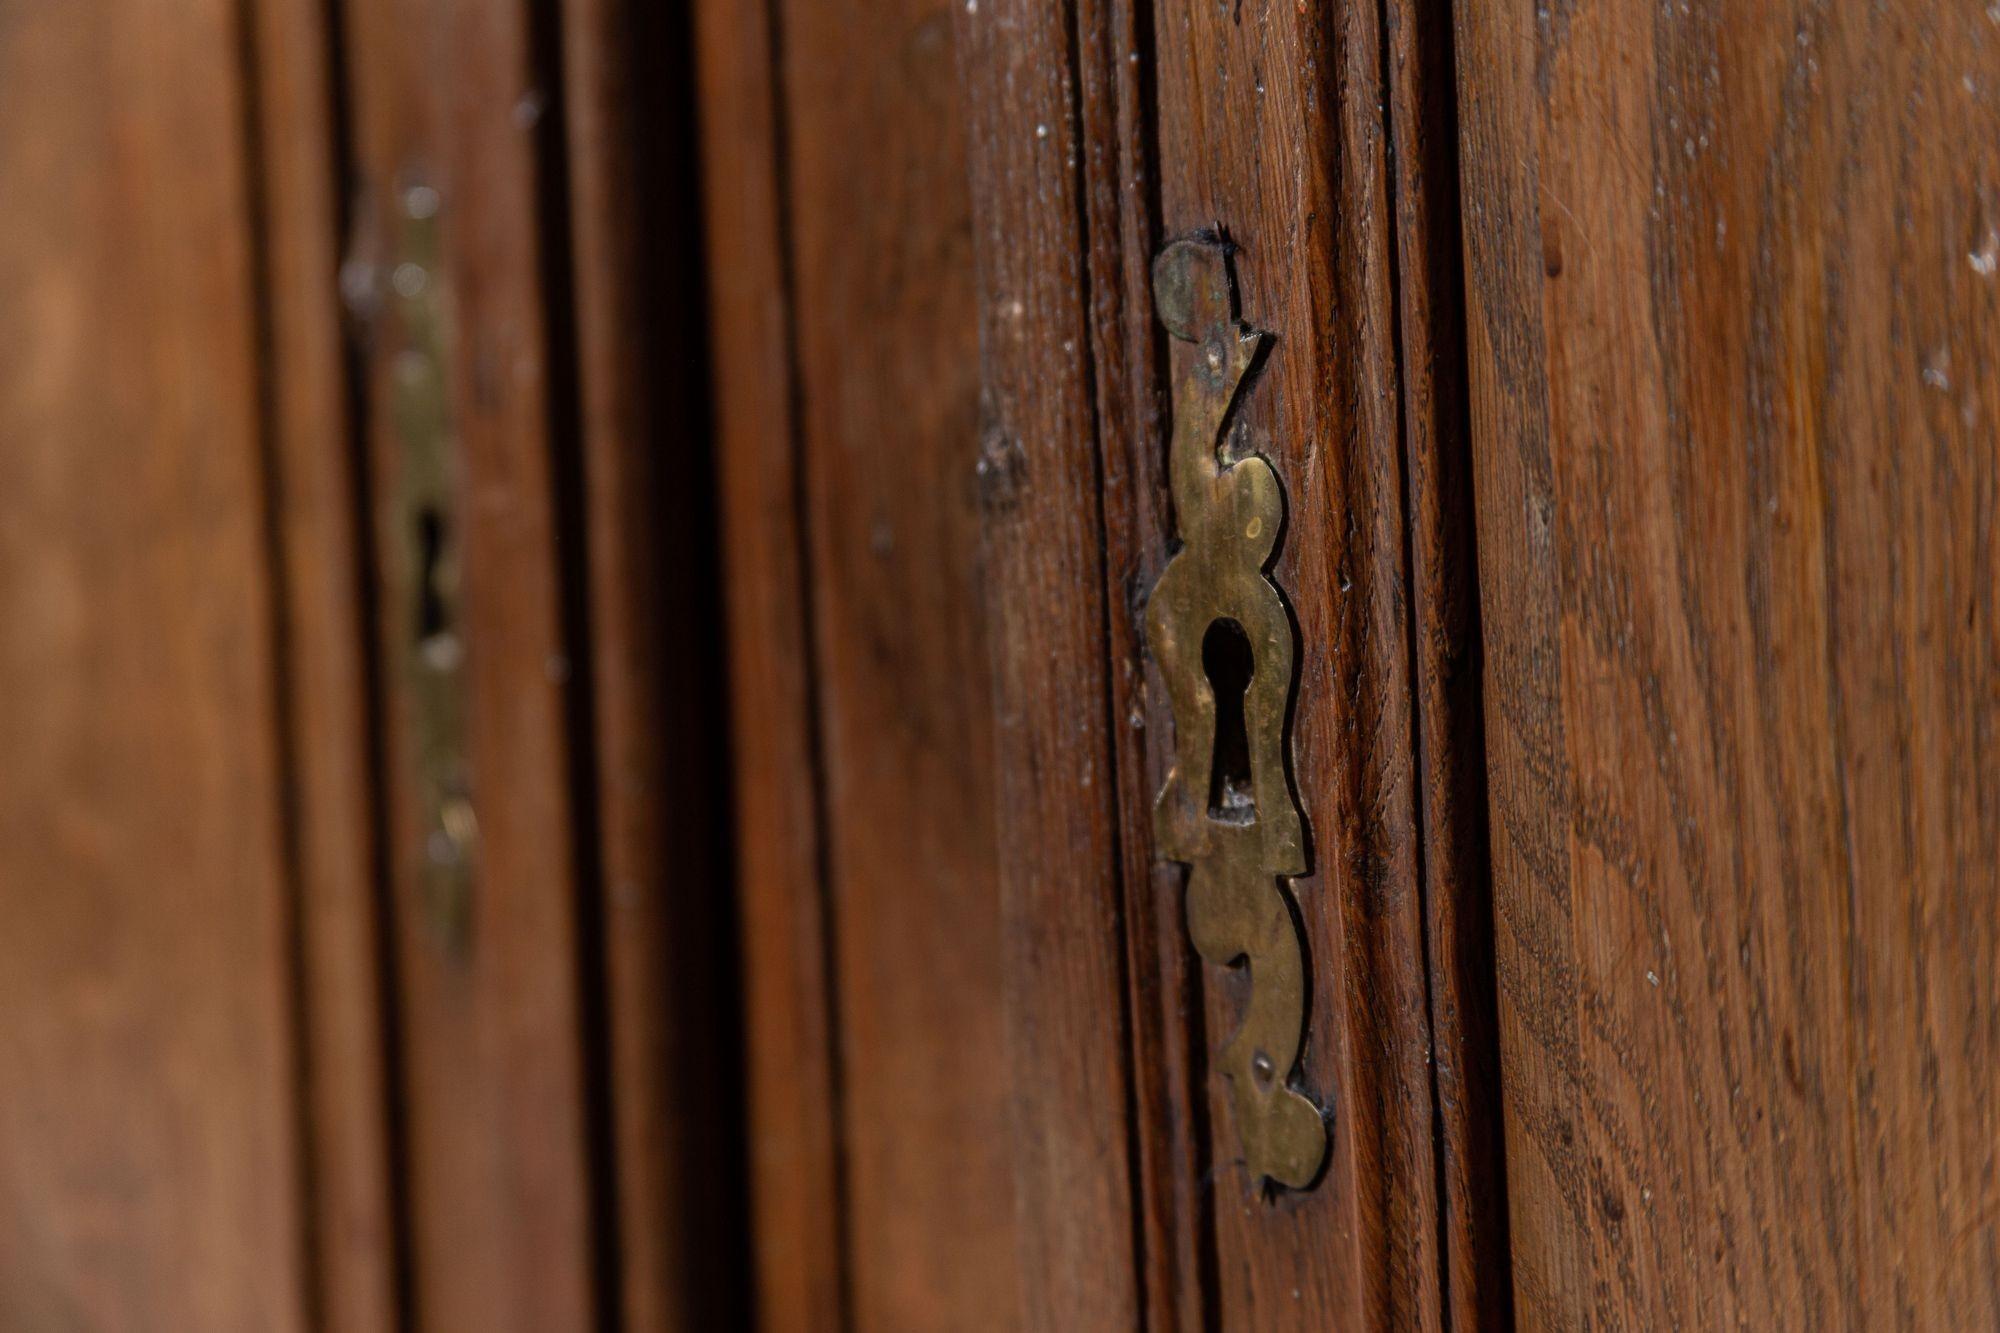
<point x="436" y="638"/>
<point x="1226" y="657"/>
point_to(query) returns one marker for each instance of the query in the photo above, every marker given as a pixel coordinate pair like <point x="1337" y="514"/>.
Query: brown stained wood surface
<point x="497" y="1153"/>
<point x="148" y="1121"/>
<point x="1732" y="317"/>
<point x="324" y="642"/>
<point x="879" y="217"/>
<point x="1270" y="123"/>
<point x="656" y="653"/>
<point x="793" y="1117"/>
<point x="1445" y="647"/>
<point x="1060" y="871"/>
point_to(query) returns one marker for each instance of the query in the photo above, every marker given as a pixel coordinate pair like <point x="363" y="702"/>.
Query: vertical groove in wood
<point x="351" y="1239"/>
<point x="797" y="1204"/>
<point x="574" y="524"/>
<point x="1520" y="594"/>
<point x="1445" y="660"/>
<point x="800" y="495"/>
<point x="649" y="491"/>
<point x="798" y="491"/>
<point x="1386" y="978"/>
<point x="284" y="740"/>
<point x="1118" y="152"/>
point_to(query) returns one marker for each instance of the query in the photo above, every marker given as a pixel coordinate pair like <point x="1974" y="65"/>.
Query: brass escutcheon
<point x="1216" y="619"/>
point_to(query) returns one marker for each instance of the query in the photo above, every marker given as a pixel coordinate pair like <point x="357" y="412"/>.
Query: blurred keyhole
<point x="437" y="637"/>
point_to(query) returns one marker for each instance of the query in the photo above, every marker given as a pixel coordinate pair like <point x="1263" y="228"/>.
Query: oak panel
<point x="1731" y="305"/>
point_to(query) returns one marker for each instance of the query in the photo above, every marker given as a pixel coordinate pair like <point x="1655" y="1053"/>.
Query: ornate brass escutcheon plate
<point x="1223" y="639"/>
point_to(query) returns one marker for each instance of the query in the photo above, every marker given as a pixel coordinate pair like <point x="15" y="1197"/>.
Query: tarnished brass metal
<point x="426" y="576"/>
<point x="1227" y="809"/>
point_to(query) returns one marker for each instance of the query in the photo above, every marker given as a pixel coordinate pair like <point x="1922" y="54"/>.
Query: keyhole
<point x="436" y="639"/>
<point x="1226" y="657"/>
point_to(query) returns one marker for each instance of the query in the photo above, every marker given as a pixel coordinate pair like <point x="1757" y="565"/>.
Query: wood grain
<point x="880" y="226"/>
<point x="148" y="1123"/>
<point x="648" y="506"/>
<point x="1061" y="877"/>
<point x="324" y="656"/>
<point x="798" y="1213"/>
<point x="847" y="395"/>
<point x="1732" y="312"/>
<point x="504" y="1219"/>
